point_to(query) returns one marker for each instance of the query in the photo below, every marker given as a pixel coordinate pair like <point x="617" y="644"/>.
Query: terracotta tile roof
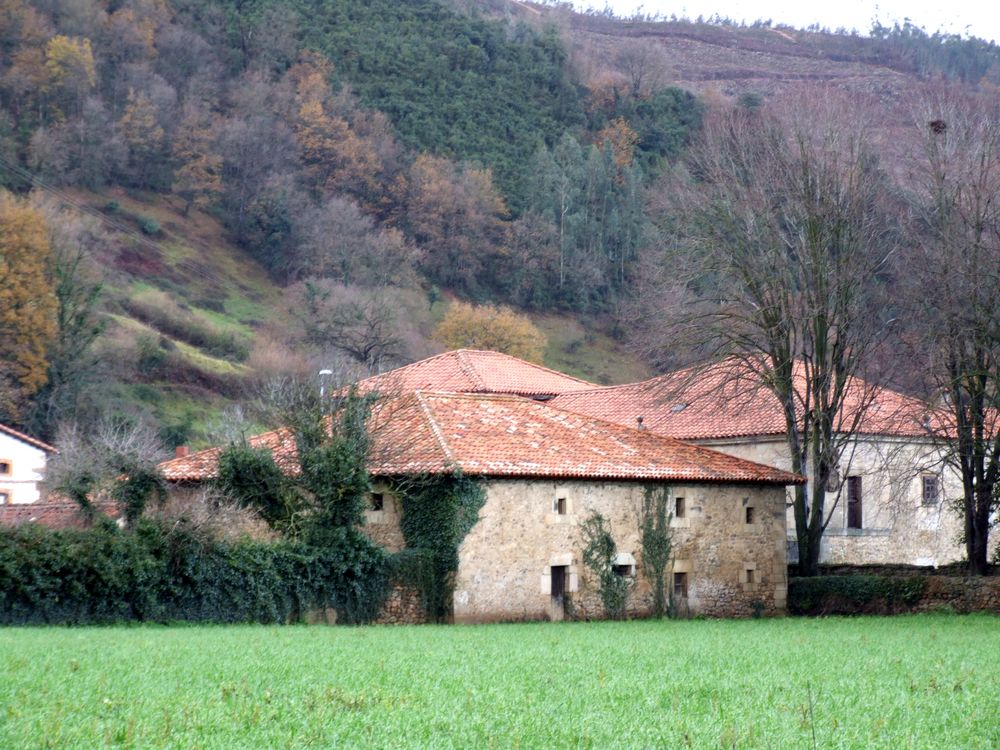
<point x="509" y="436"/>
<point x="27" y="439"/>
<point x="718" y="401"/>
<point x="475" y="371"/>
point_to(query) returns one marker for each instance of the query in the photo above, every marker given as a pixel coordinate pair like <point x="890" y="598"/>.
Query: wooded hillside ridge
<point x="230" y="192"/>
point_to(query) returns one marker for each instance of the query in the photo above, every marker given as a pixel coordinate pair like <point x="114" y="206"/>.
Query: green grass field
<point x="907" y="682"/>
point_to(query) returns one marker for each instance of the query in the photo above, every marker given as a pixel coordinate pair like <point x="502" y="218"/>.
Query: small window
<point x="681" y="585"/>
<point x="4" y="497"/>
<point x="749" y="514"/>
<point x="679" y="507"/>
<point x="623" y="571"/>
<point x="559" y="507"/>
<point x="377" y="501"/>
<point x="4" y="467"/>
<point x="749" y="572"/>
<point x="932" y="489"/>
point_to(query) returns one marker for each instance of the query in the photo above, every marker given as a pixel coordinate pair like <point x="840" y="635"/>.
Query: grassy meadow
<point x="930" y="681"/>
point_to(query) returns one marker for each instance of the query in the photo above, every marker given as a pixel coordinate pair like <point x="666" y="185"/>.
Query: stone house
<point x="543" y="471"/>
<point x="890" y="503"/>
<point x="22" y="467"/>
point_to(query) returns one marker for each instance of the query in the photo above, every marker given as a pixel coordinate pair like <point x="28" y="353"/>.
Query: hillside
<point x="194" y="324"/>
<point x="258" y="188"/>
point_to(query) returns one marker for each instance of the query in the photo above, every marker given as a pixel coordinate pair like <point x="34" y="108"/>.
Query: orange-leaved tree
<point x="500" y="329"/>
<point x="27" y="305"/>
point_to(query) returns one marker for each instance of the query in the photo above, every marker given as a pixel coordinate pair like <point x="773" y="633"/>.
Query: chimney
<point x="181" y="451"/>
<point x="639" y="420"/>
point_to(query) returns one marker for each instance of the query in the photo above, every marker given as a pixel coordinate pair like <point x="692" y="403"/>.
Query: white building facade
<point x="22" y="467"/>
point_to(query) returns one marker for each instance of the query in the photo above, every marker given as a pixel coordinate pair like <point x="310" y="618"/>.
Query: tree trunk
<point x="977" y="530"/>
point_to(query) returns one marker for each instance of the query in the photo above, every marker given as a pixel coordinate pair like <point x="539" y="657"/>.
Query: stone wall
<point x="508" y="559"/>
<point x="59" y="514"/>
<point x="403" y="607"/>
<point x="382" y="526"/>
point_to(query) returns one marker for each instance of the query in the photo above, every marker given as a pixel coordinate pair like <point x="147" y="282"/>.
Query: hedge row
<point x="105" y="575"/>
<point x="854" y="594"/>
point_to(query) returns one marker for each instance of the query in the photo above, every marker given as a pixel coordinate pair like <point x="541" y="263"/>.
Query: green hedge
<point x="106" y="575"/>
<point x="853" y="594"/>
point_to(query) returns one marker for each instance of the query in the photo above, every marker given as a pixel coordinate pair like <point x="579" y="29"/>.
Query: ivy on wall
<point x="438" y="513"/>
<point x="599" y="553"/>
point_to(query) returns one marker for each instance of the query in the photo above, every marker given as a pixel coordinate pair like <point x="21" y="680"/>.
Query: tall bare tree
<point x="785" y="243"/>
<point x="954" y="280"/>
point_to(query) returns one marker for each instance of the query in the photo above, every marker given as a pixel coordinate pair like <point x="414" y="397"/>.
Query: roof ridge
<point x="536" y="366"/>
<point x="435" y="428"/>
<point x="605" y="388"/>
<point x="40" y="444"/>
<point x="468" y="369"/>
<point x="476" y="395"/>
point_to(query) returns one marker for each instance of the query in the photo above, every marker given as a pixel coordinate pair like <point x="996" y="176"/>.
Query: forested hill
<point x="238" y="189"/>
<point x="453" y="84"/>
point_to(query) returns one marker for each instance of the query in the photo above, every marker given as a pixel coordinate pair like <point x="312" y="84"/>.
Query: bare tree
<point x="954" y="279"/>
<point x="361" y="323"/>
<point x="643" y="62"/>
<point x="118" y="458"/>
<point x="785" y="244"/>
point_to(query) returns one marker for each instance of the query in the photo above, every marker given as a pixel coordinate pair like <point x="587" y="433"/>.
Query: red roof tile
<point x="28" y="439"/>
<point x="718" y="401"/>
<point x="509" y="436"/>
<point x="475" y="371"/>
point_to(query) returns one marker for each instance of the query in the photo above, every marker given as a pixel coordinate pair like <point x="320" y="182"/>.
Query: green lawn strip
<point x="920" y="681"/>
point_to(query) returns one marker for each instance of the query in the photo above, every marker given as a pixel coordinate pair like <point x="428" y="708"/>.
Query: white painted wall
<point x="896" y="526"/>
<point x="27" y="464"/>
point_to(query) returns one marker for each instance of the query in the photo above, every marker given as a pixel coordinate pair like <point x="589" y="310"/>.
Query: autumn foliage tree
<point x="71" y="73"/>
<point x="498" y="329"/>
<point x="144" y="137"/>
<point x="27" y="305"/>
<point x="456" y="216"/>
<point x="198" y="177"/>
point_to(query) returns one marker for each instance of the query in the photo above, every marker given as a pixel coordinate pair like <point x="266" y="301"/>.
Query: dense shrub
<point x="854" y="594"/>
<point x="160" y="574"/>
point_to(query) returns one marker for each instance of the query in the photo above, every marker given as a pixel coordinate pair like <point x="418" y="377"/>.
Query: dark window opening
<point x="4" y="467"/>
<point x="681" y="584"/>
<point x="558" y="584"/>
<point x="679" y="508"/>
<point x="4" y="498"/>
<point x="854" y="509"/>
<point x="749" y="575"/>
<point x="749" y="512"/>
<point x="932" y="490"/>
<point x="623" y="571"/>
<point x="377" y="501"/>
<point x="560" y="506"/>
